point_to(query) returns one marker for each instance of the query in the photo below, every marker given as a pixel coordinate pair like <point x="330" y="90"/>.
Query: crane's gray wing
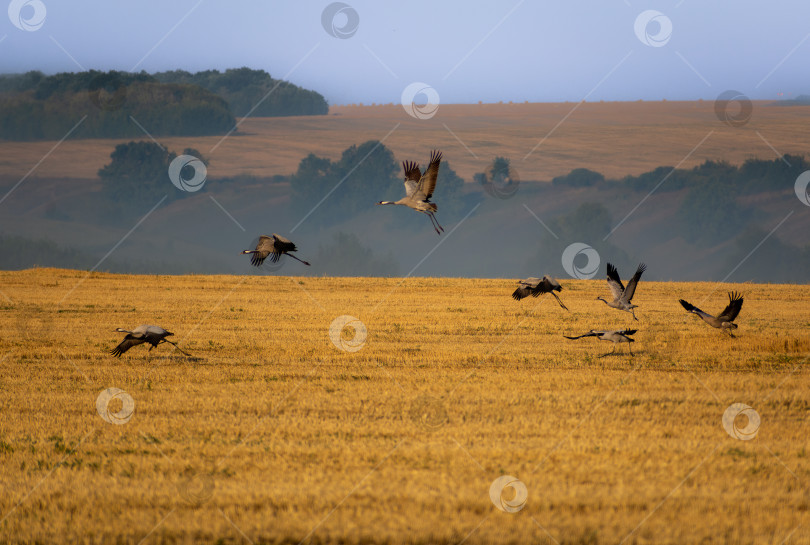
<point x="428" y="182"/>
<point x="693" y="309"/>
<point x="264" y="247"/>
<point x="614" y="282"/>
<point x="631" y="285"/>
<point x="280" y="245"/>
<point x="128" y="342"/>
<point x="157" y="330"/>
<point x="412" y="177"/>
<point x="588" y="334"/>
<point x="521" y="293"/>
<point x="552" y="283"/>
<point x="628" y="332"/>
<point x="525" y="288"/>
<point x="735" y="302"/>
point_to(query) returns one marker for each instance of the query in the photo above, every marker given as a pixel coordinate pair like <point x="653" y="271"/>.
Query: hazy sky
<point x="489" y="51"/>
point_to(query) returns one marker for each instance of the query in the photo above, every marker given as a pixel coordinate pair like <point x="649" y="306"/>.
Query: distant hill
<point x="114" y="104"/>
<point x="106" y="105"/>
<point x="253" y="92"/>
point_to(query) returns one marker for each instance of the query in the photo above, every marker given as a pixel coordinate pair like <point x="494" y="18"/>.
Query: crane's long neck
<point x="600" y="299"/>
<point x="388" y="202"/>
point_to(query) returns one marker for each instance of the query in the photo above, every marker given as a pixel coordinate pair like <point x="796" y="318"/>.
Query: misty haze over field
<point x="198" y="127"/>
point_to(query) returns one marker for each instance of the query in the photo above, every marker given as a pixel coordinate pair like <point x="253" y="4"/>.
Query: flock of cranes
<point x="419" y="189"/>
<point x="622" y="297"/>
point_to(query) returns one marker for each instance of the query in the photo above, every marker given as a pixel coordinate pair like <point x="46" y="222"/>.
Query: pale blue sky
<point x="489" y="51"/>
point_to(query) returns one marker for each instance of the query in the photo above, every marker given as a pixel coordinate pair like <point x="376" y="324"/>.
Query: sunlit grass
<point x="269" y="433"/>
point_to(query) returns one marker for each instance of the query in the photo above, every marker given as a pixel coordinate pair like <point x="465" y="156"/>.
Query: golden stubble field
<point x="543" y="140"/>
<point x="271" y="434"/>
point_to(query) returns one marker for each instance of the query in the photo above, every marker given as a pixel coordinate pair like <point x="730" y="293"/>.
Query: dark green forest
<point x="113" y="104"/>
<point x="252" y="93"/>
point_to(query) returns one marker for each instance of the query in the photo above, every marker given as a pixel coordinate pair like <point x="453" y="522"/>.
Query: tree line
<point x="115" y="104"/>
<point x="252" y="92"/>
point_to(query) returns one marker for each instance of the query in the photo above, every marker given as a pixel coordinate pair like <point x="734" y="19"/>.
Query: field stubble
<point x="270" y="433"/>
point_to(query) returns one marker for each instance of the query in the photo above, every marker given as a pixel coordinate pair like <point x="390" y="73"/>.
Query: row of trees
<point x="114" y="104"/>
<point x="106" y="105"/>
<point x="253" y="92"/>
